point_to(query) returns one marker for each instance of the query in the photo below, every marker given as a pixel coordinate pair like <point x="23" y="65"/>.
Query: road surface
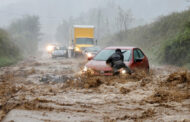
<point x="38" y="90"/>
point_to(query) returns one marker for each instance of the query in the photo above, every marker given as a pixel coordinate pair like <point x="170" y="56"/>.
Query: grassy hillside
<point x="176" y="50"/>
<point x="9" y="53"/>
<point x="165" y="38"/>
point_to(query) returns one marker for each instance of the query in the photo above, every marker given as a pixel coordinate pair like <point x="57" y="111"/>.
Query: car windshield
<point x="84" y="41"/>
<point x="62" y="48"/>
<point x="105" y="54"/>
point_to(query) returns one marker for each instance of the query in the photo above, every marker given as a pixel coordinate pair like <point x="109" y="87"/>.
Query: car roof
<point x="120" y="47"/>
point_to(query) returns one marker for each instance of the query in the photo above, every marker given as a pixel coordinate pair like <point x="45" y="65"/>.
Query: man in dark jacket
<point x="116" y="61"/>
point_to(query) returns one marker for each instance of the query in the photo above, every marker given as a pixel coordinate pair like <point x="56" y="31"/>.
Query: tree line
<point x="165" y="41"/>
<point x="20" y="39"/>
<point x="107" y="21"/>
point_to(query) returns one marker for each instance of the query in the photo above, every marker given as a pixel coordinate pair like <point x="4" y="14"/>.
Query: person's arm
<point x="122" y="57"/>
<point x="109" y="60"/>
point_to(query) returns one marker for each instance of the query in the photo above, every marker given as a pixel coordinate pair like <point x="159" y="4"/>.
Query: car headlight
<point x="77" y="49"/>
<point x="123" y="71"/>
<point x="85" y="69"/>
<point x="49" y="48"/>
<point x="89" y="54"/>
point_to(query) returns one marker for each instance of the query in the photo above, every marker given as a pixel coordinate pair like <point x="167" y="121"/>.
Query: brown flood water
<point x="38" y="90"/>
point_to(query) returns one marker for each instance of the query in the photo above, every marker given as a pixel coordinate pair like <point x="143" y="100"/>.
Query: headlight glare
<point x="89" y="54"/>
<point x="49" y="48"/>
<point x="77" y="49"/>
<point x="85" y="69"/>
<point x="123" y="71"/>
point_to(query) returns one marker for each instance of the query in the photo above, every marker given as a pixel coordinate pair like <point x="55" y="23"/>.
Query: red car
<point x="133" y="58"/>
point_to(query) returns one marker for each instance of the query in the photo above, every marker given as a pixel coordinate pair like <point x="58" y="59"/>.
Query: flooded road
<point x="38" y="90"/>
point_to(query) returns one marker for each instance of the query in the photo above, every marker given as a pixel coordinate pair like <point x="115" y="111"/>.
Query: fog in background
<point x="52" y="12"/>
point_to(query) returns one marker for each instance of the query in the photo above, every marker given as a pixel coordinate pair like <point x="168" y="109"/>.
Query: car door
<point x="135" y="57"/>
<point x="143" y="57"/>
<point x="139" y="59"/>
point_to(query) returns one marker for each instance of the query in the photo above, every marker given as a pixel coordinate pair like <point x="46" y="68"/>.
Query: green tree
<point x="177" y="50"/>
<point x="9" y="53"/>
<point x="107" y="20"/>
<point x="166" y="40"/>
<point x="26" y="34"/>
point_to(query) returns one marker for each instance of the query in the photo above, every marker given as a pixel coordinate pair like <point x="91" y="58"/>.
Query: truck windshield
<point x="84" y="41"/>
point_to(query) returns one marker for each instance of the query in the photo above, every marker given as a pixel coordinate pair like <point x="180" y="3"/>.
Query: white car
<point x="61" y="52"/>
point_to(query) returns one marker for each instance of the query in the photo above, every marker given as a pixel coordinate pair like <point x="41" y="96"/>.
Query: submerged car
<point x="90" y="52"/>
<point x="59" y="52"/>
<point x="134" y="58"/>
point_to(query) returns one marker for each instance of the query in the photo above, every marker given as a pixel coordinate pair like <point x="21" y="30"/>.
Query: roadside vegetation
<point x="9" y="53"/>
<point x="19" y="40"/>
<point x="26" y="34"/>
<point x="176" y="51"/>
<point x="166" y="41"/>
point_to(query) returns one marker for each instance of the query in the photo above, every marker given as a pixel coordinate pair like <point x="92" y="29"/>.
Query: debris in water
<point x="124" y="90"/>
<point x="54" y="78"/>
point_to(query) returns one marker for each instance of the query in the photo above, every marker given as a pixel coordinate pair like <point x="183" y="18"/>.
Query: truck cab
<point x="83" y="37"/>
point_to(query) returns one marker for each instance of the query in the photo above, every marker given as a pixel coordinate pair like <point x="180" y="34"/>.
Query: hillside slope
<point x="160" y="39"/>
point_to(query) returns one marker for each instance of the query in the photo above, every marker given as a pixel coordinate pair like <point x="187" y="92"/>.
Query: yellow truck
<point x="83" y="37"/>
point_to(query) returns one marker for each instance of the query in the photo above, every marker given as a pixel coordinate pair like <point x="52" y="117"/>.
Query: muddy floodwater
<point x="38" y="90"/>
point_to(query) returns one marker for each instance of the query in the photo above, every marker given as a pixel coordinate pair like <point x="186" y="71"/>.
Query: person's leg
<point x="115" y="70"/>
<point x="127" y="68"/>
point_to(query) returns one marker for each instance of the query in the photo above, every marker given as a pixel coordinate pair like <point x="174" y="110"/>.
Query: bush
<point x="166" y="40"/>
<point x="9" y="53"/>
<point x="26" y="34"/>
<point x="176" y="52"/>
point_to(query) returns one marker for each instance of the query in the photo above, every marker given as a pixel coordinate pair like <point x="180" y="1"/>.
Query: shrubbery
<point x="166" y="40"/>
<point x="26" y="34"/>
<point x="9" y="53"/>
<point x="177" y="50"/>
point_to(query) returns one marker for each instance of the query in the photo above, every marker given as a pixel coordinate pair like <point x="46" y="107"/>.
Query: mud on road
<point x="51" y="90"/>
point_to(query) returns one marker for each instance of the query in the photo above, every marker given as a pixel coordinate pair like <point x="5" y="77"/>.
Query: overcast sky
<point x="51" y="12"/>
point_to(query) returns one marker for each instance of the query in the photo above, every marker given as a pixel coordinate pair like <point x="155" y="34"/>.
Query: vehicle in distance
<point x="59" y="52"/>
<point x="134" y="58"/>
<point x="90" y="52"/>
<point x="50" y="48"/>
<point x="83" y="36"/>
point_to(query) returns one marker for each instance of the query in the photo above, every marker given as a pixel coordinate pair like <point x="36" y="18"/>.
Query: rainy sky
<point x="51" y="12"/>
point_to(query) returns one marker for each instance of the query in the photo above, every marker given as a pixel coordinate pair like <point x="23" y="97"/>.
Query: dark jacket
<point x="115" y="58"/>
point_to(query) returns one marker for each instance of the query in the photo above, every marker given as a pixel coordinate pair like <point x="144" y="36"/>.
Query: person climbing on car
<point x="116" y="61"/>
